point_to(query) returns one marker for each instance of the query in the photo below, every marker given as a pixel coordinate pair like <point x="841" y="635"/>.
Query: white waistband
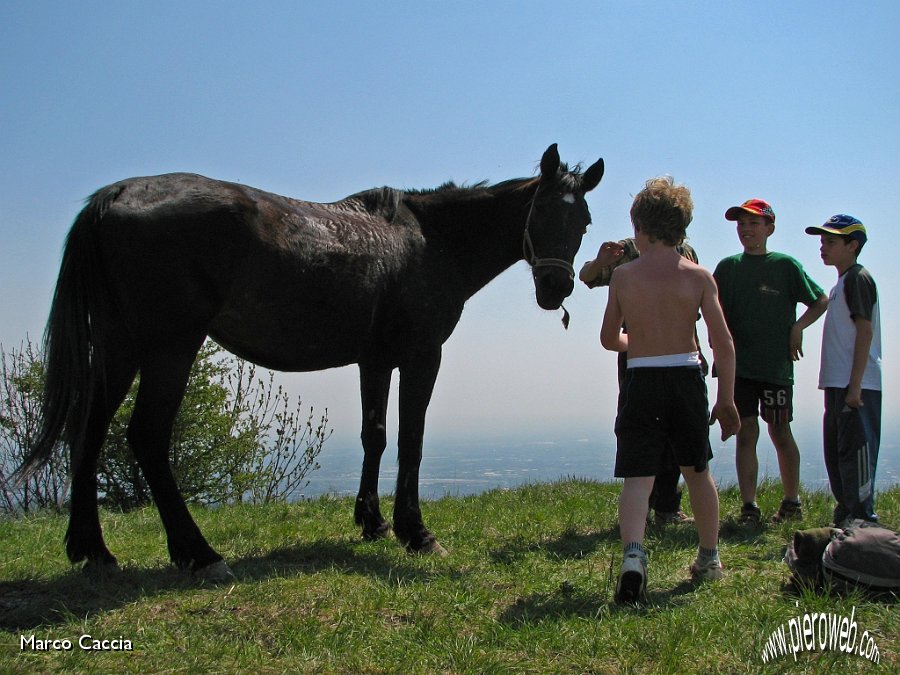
<point x="666" y="361"/>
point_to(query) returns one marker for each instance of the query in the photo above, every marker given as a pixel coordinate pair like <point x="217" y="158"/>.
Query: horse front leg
<point x="416" y="386"/>
<point x="375" y="383"/>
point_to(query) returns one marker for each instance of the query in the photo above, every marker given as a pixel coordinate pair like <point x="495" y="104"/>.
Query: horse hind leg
<point x="164" y="379"/>
<point x="84" y="537"/>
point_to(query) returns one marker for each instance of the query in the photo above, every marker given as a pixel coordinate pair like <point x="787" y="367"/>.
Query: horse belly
<point x="294" y="338"/>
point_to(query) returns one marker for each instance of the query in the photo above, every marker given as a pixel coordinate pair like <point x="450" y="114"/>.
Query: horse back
<point x="289" y="284"/>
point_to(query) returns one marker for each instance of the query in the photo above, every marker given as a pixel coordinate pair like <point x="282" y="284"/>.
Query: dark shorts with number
<point x="662" y="411"/>
<point x="773" y="402"/>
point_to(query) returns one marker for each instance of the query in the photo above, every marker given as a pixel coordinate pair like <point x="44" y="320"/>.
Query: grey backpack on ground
<point x="862" y="556"/>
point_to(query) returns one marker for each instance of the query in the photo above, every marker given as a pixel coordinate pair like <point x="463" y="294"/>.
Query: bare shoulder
<point x="695" y="270"/>
<point x="631" y="265"/>
<point x="690" y="266"/>
<point x="626" y="271"/>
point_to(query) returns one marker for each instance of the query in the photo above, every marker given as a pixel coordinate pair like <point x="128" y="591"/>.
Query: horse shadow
<point x="26" y="604"/>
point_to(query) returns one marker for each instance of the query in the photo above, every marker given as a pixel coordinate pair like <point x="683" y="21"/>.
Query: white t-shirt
<point x="855" y="295"/>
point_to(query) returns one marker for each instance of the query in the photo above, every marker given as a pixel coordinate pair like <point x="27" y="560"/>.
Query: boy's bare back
<point x="658" y="297"/>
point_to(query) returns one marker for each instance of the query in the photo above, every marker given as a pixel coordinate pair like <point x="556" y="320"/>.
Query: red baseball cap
<point x="757" y="207"/>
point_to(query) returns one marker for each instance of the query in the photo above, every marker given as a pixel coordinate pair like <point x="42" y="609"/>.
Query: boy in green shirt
<point x="759" y="291"/>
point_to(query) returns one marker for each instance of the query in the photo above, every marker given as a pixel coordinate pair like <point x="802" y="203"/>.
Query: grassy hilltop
<point x="527" y="589"/>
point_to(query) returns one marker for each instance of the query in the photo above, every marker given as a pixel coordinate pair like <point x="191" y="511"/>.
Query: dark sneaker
<point x="750" y="515"/>
<point x="788" y="511"/>
<point x="632" y="584"/>
<point x="663" y="518"/>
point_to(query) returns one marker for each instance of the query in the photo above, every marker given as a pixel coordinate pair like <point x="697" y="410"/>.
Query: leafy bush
<point x="236" y="438"/>
<point x="21" y="387"/>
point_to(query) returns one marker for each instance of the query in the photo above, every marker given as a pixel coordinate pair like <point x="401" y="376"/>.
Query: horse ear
<point x="592" y="176"/>
<point x="550" y="162"/>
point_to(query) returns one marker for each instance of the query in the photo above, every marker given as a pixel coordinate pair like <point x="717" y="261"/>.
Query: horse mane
<point x="386" y="202"/>
<point x="452" y="191"/>
<point x="568" y="179"/>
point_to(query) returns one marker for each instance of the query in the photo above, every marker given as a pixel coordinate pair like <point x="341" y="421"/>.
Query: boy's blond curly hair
<point x="663" y="210"/>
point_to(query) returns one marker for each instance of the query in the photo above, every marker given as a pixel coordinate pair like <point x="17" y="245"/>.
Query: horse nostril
<point x="555" y="284"/>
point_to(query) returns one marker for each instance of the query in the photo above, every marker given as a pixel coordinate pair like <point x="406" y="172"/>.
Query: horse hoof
<point x="216" y="573"/>
<point x="97" y="569"/>
<point x="432" y="547"/>
<point x="383" y="531"/>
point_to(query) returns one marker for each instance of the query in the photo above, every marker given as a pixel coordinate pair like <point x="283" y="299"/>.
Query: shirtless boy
<point x="665" y="498"/>
<point x="663" y="401"/>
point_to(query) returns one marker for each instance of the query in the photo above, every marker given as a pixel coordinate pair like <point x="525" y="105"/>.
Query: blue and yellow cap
<point x="843" y="225"/>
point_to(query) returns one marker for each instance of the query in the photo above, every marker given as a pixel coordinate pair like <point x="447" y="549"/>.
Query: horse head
<point x="557" y="221"/>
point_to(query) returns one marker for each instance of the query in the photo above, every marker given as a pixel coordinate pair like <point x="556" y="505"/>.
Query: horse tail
<point x="73" y="344"/>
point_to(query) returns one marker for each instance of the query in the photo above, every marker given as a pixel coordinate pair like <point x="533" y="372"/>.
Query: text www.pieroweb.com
<point x="820" y="632"/>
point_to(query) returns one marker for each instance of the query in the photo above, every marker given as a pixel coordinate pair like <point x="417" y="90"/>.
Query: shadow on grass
<point x="29" y="603"/>
<point x="811" y="591"/>
<point x="569" y="545"/>
<point x="567" y="603"/>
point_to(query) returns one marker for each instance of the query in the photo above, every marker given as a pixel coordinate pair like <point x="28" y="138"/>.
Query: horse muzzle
<point x="552" y="285"/>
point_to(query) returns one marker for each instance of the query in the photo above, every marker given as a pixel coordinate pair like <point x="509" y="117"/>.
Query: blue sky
<point x="796" y="103"/>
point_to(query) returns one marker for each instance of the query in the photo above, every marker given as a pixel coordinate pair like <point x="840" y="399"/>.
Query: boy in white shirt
<point x="850" y="372"/>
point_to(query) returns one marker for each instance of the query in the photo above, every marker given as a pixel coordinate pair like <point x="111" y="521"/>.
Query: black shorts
<point x="662" y="411"/>
<point x="773" y="402"/>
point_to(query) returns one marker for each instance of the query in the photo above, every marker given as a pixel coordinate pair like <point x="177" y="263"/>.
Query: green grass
<point x="527" y="589"/>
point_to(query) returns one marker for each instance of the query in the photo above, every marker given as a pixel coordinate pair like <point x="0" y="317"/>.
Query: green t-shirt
<point x="759" y="296"/>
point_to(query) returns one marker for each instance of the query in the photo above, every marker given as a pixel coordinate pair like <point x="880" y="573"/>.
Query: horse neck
<point x="482" y="227"/>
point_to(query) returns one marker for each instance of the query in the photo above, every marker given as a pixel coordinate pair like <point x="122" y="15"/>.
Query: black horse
<point x="152" y="266"/>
